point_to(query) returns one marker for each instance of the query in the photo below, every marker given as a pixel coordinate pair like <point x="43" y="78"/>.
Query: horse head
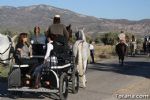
<point x="80" y="35"/>
<point x="69" y="30"/>
<point x="6" y="48"/>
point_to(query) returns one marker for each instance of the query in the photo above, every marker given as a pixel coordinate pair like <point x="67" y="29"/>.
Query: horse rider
<point x="121" y="47"/>
<point x="145" y="45"/>
<point x="148" y="46"/>
<point x="133" y="41"/>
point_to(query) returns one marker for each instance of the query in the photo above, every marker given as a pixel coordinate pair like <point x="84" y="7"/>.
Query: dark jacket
<point x="58" y="29"/>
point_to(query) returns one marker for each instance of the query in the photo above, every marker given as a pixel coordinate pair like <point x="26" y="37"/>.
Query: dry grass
<point x="101" y="52"/>
<point x="4" y="71"/>
<point x="104" y="52"/>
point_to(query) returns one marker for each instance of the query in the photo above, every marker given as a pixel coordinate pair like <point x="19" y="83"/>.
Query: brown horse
<point x="121" y="50"/>
<point x="69" y="31"/>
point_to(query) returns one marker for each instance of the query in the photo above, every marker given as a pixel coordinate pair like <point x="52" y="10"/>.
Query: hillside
<point x="23" y="19"/>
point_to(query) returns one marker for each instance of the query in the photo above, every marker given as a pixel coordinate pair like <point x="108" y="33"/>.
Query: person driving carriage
<point x="60" y="37"/>
<point x="58" y="31"/>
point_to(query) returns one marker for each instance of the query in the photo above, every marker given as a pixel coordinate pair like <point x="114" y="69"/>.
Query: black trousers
<point x="92" y="55"/>
<point x="32" y="62"/>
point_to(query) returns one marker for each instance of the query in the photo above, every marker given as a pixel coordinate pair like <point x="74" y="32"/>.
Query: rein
<point x="6" y="49"/>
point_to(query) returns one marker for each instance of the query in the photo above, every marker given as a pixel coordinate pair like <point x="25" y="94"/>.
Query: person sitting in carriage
<point x="38" y="38"/>
<point x="38" y="42"/>
<point x="23" y="54"/>
<point x="47" y="61"/>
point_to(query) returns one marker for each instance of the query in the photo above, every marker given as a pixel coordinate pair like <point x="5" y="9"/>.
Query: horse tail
<point x="80" y="60"/>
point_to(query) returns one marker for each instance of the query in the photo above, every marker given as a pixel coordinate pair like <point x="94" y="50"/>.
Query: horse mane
<point x="80" y="35"/>
<point x="83" y="35"/>
<point x="1" y="35"/>
<point x="69" y="30"/>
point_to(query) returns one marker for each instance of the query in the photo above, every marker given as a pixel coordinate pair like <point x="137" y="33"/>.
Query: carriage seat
<point x="62" y="52"/>
<point x="21" y="66"/>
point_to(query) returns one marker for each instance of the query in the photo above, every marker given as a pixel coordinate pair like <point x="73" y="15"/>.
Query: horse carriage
<point x="57" y="77"/>
<point x="60" y="76"/>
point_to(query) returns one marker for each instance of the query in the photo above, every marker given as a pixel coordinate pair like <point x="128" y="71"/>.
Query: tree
<point x="110" y="38"/>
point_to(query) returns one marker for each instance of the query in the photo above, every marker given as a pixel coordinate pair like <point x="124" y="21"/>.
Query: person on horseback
<point x="121" y="48"/>
<point x="148" y="46"/>
<point x="133" y="45"/>
<point x="145" y="45"/>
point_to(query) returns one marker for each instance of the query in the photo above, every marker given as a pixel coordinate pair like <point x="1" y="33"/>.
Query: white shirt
<point x="91" y="47"/>
<point x="49" y="49"/>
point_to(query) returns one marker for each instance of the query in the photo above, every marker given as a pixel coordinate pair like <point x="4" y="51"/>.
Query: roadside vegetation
<point x="104" y="52"/>
<point x="4" y="70"/>
<point x="104" y="46"/>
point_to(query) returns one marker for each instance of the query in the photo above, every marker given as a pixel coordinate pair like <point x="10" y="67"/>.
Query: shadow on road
<point x="21" y="95"/>
<point x="135" y="68"/>
<point x="24" y="95"/>
<point x="3" y="87"/>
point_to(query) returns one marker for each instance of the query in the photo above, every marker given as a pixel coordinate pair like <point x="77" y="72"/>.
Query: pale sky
<point x="110" y="9"/>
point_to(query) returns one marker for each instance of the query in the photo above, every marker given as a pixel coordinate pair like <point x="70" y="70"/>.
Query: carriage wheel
<point x="63" y="88"/>
<point x="75" y="81"/>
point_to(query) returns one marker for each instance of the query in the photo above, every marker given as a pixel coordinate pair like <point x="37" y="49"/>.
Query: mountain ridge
<point x="18" y="19"/>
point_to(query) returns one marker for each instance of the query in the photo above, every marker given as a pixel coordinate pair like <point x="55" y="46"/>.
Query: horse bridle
<point x="9" y="47"/>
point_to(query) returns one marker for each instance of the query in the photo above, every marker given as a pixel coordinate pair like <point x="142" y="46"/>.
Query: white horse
<point x="133" y="47"/>
<point x="6" y="47"/>
<point x="81" y="52"/>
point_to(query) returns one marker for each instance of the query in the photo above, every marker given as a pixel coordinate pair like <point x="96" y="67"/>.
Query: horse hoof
<point x="83" y="86"/>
